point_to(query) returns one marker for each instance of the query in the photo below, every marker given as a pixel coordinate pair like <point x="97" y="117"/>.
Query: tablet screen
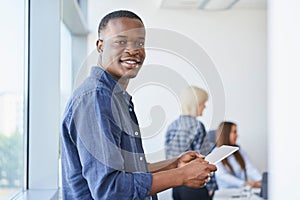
<point x="220" y="153"/>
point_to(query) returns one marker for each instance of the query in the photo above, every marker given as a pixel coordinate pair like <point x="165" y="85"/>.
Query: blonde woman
<point x="187" y="133"/>
<point x="237" y="170"/>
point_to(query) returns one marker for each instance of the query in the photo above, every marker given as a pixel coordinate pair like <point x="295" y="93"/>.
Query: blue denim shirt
<point x="102" y="153"/>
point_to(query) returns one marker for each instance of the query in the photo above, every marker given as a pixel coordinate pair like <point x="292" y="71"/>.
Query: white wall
<point x="236" y="43"/>
<point x="284" y="98"/>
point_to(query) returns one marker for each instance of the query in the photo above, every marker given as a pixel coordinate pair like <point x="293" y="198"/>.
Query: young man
<point x="102" y="153"/>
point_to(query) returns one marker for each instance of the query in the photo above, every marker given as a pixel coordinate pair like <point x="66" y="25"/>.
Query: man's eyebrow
<point x="123" y="36"/>
<point x="120" y="36"/>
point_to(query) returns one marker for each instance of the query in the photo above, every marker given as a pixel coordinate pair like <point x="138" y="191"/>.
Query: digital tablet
<point x="220" y="153"/>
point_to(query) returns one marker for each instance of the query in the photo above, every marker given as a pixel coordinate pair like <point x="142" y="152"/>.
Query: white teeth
<point x="130" y="62"/>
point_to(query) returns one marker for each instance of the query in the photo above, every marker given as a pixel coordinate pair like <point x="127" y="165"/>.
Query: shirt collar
<point x="187" y="117"/>
<point x="100" y="74"/>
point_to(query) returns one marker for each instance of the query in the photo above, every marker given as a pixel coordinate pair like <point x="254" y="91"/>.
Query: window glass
<point x="65" y="74"/>
<point x="65" y="65"/>
<point x="12" y="111"/>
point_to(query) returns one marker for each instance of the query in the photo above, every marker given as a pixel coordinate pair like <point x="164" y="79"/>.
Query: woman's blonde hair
<point x="190" y="99"/>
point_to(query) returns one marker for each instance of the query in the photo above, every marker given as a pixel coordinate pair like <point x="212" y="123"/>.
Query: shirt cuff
<point x="143" y="184"/>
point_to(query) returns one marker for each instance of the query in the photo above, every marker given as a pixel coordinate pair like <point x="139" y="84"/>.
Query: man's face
<point x="122" y="46"/>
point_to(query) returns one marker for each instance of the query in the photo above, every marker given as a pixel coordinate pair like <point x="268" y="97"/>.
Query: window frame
<point x="42" y="93"/>
<point x="41" y="100"/>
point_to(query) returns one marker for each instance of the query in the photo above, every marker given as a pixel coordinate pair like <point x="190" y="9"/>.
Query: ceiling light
<point x="218" y="4"/>
<point x="182" y="4"/>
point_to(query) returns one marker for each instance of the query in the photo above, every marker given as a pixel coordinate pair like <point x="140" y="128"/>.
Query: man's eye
<point x="121" y="42"/>
<point x="140" y="44"/>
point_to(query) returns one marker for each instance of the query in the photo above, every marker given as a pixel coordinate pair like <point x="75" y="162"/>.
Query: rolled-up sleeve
<point x="107" y="183"/>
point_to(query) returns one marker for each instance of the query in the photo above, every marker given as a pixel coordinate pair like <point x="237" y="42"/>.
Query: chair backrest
<point x="211" y="135"/>
<point x="264" y="186"/>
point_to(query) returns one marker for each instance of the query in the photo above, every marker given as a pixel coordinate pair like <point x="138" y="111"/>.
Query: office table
<point x="237" y="194"/>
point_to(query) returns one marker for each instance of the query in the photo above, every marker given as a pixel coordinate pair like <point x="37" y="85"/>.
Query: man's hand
<point x="189" y="169"/>
<point x="197" y="172"/>
<point x="187" y="157"/>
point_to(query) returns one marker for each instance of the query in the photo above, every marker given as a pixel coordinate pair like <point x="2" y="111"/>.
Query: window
<point x="65" y="75"/>
<point x="66" y="67"/>
<point x="12" y="90"/>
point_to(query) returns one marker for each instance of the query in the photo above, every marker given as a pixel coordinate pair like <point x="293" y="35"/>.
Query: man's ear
<point x="99" y="44"/>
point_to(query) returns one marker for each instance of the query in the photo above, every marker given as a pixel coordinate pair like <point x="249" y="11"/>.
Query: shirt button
<point x="136" y="133"/>
<point x="130" y="109"/>
<point x="141" y="158"/>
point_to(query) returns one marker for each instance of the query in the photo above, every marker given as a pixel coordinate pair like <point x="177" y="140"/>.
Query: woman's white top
<point x="225" y="179"/>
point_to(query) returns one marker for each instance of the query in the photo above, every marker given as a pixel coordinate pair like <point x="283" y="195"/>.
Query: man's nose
<point x="132" y="49"/>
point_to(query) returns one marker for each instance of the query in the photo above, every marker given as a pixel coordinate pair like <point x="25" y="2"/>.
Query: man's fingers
<point x="201" y="156"/>
<point x="196" y="184"/>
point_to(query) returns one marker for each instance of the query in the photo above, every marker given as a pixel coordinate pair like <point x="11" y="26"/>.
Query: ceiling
<point x="214" y="4"/>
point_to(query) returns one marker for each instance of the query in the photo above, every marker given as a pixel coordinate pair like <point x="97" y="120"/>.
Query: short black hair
<point x="116" y="14"/>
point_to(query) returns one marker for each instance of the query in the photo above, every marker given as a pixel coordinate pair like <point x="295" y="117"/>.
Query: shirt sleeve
<point x="252" y="171"/>
<point x="198" y="133"/>
<point x="97" y="139"/>
<point x="179" y="142"/>
<point x="227" y="180"/>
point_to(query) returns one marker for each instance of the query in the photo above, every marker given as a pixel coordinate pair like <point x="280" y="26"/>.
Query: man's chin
<point x="132" y="73"/>
<point x="129" y="75"/>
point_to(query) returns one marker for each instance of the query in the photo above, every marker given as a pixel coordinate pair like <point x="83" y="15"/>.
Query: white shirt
<point x="225" y="179"/>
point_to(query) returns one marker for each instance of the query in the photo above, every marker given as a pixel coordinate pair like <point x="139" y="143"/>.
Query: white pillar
<point x="284" y="98"/>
